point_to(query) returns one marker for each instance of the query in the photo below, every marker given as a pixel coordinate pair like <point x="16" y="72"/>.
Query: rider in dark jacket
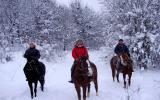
<point x="31" y="54"/>
<point x="121" y="48"/>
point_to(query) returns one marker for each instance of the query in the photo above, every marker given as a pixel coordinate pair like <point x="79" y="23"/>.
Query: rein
<point x="30" y="64"/>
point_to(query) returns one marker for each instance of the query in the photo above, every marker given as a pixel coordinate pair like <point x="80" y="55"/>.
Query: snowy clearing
<point x="145" y="84"/>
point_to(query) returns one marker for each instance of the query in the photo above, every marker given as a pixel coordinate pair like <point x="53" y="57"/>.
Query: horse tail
<point x="113" y="68"/>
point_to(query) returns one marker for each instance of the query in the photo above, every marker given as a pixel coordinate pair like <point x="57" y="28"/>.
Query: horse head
<point x="125" y="59"/>
<point x="82" y="64"/>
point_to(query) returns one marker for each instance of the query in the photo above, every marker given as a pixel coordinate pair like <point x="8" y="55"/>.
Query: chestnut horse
<point x="126" y="64"/>
<point x="34" y="73"/>
<point x="81" y="78"/>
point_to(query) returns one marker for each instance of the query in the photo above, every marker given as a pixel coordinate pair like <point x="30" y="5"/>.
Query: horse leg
<point x="117" y="75"/>
<point x="84" y="92"/>
<point x="124" y="78"/>
<point x="35" y="88"/>
<point x="42" y="83"/>
<point x="129" y="80"/>
<point x="96" y="86"/>
<point x="113" y="74"/>
<point x="31" y="88"/>
<point x="78" y="92"/>
<point x="89" y="89"/>
<point x="113" y="71"/>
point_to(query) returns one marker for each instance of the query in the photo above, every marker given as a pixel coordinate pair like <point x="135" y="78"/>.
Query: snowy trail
<point x="145" y="85"/>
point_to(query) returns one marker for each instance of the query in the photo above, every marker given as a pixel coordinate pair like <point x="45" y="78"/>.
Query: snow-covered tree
<point x="87" y="24"/>
<point x="136" y="21"/>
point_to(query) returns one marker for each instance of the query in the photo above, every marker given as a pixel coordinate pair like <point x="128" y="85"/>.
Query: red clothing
<point x="78" y="52"/>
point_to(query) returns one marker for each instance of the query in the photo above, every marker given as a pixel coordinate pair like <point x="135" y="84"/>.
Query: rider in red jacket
<point x="78" y="51"/>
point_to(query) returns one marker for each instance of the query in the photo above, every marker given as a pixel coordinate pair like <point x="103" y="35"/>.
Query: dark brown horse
<point x="34" y="73"/>
<point x="81" y="78"/>
<point x="126" y="64"/>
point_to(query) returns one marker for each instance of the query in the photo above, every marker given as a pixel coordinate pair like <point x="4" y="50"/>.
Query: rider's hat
<point x="79" y="42"/>
<point x="121" y="40"/>
<point x="32" y="45"/>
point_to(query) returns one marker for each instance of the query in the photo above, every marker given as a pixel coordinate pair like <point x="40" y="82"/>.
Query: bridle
<point x="82" y="66"/>
<point x="124" y="62"/>
<point x="30" y="68"/>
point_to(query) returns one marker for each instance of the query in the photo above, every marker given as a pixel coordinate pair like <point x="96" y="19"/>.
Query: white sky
<point x="94" y="4"/>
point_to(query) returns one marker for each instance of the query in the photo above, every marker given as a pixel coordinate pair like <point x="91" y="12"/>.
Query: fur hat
<point x="79" y="42"/>
<point x="120" y="40"/>
<point x="32" y="45"/>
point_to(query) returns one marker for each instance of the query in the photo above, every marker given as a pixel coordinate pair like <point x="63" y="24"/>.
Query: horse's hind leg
<point x="124" y="79"/>
<point x="78" y="92"/>
<point x="35" y="88"/>
<point x="31" y="88"/>
<point x="117" y="75"/>
<point x="129" y="80"/>
<point x="89" y="90"/>
<point x="42" y="83"/>
<point x="96" y="86"/>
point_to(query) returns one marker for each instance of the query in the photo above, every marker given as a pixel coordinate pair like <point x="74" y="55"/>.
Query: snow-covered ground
<point x="145" y="84"/>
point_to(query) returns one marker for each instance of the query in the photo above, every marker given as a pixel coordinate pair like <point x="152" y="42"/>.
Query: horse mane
<point x="80" y="65"/>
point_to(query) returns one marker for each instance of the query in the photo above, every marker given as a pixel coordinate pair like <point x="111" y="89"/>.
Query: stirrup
<point x="70" y="81"/>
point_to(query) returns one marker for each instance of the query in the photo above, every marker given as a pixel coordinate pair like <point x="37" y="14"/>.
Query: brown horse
<point x="81" y="78"/>
<point x="126" y="64"/>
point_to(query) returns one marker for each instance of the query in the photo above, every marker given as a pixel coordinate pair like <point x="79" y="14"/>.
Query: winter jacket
<point x="79" y="52"/>
<point x="32" y="53"/>
<point x="121" y="48"/>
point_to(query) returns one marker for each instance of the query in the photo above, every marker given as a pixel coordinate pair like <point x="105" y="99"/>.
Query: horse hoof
<point x="88" y="95"/>
<point x="97" y="94"/>
<point x="42" y="89"/>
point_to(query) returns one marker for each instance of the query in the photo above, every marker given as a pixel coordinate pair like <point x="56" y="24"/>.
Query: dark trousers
<point x="72" y="69"/>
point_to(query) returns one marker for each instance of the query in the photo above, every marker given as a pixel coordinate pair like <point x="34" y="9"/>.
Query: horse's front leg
<point x="84" y="92"/>
<point x="129" y="80"/>
<point x="78" y="92"/>
<point x="124" y="79"/>
<point x="89" y="86"/>
<point x="31" y="88"/>
<point x="35" y="88"/>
